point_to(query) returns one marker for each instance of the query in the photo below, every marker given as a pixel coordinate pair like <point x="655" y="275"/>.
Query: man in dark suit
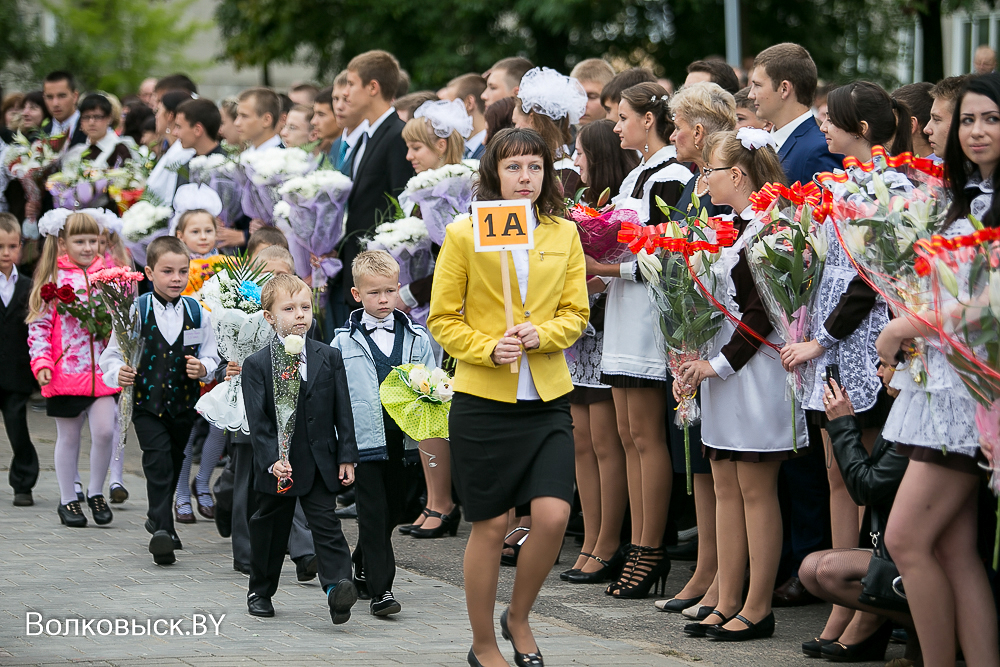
<point x="322" y="451"/>
<point x="59" y="89"/>
<point x="377" y="162"/>
<point x="17" y="382"/>
<point x="782" y="86"/>
<point x="196" y="126"/>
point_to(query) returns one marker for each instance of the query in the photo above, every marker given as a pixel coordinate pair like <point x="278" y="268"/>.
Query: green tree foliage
<point x="113" y="45"/>
<point x="15" y="37"/>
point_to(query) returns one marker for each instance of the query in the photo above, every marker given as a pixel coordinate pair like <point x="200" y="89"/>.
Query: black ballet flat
<point x="473" y="660"/>
<point x="869" y="650"/>
<point x="677" y="605"/>
<point x="701" y="629"/>
<point x="520" y="659"/>
<point x="760" y="630"/>
<point x="812" y="647"/>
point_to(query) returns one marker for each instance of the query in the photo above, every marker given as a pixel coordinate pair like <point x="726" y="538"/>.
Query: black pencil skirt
<point x="505" y="454"/>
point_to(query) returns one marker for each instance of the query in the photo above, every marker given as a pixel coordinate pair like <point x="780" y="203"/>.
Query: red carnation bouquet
<point x="90" y="312"/>
<point x="118" y="287"/>
<point x="599" y="227"/>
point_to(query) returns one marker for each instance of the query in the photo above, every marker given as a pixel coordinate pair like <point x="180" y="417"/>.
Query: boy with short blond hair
<point x="378" y="338"/>
<point x="321" y="449"/>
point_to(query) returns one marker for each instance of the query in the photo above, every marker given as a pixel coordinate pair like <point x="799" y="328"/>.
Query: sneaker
<point x="385" y="605"/>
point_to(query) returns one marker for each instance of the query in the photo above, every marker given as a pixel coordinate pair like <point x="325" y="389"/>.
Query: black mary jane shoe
<point x="71" y="515"/>
<point x="812" y="647"/>
<point x="99" y="508"/>
<point x="760" y="630"/>
<point x="701" y="629"/>
<point x="610" y="570"/>
<point x="449" y="525"/>
<point x="869" y="650"/>
<point x="677" y="605"/>
<point x="520" y="659"/>
<point x="564" y="576"/>
<point x="406" y="528"/>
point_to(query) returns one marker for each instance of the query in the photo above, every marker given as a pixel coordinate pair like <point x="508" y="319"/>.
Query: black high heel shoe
<point x="405" y="529"/>
<point x="511" y="560"/>
<point x="473" y="660"/>
<point x="868" y="650"/>
<point x="520" y="659"/>
<point x="650" y="572"/>
<point x="610" y="569"/>
<point x="449" y="524"/>
<point x="630" y="555"/>
<point x="564" y="576"/>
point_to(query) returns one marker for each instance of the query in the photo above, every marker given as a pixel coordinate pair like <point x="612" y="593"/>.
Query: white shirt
<point x="302" y="360"/>
<point x="780" y="136"/>
<point x="385" y="333"/>
<point x="106" y="144"/>
<point x="67" y="127"/>
<point x="351" y="139"/>
<point x="270" y="143"/>
<point x="473" y="143"/>
<point x="525" y="383"/>
<point x="170" y="320"/>
<point x="369" y="133"/>
<point x="162" y="180"/>
<point x="7" y="286"/>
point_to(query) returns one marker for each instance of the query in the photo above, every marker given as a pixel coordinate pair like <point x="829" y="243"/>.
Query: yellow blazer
<point x="467" y="313"/>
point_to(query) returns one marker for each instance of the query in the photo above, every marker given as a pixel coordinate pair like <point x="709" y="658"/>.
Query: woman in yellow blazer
<point x="511" y="434"/>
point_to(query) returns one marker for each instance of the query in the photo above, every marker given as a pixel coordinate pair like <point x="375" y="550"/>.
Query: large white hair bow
<point x="446" y="116"/>
<point x="191" y="197"/>
<point x="552" y="94"/>
<point x="754" y="138"/>
<point x="52" y="223"/>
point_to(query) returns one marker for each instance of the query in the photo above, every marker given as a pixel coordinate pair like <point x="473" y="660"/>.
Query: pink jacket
<point x="61" y="344"/>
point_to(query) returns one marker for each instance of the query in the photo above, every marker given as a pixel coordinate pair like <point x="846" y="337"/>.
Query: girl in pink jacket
<point x="64" y="358"/>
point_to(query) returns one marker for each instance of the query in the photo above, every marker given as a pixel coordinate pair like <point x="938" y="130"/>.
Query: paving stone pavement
<point x="58" y="574"/>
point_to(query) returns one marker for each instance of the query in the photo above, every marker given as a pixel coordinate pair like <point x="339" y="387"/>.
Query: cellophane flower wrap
<point x="232" y="296"/>
<point x="141" y="223"/>
<point x="598" y="227"/>
<point x="407" y="240"/>
<point x="119" y="288"/>
<point x="418" y="400"/>
<point x="263" y="172"/>
<point x="442" y="194"/>
<point x="786" y="260"/>
<point x="221" y="174"/>
<point x="30" y="162"/>
<point x="314" y="221"/>
<point x="78" y="185"/>
<point x="881" y="208"/>
<point x="675" y="258"/>
<point x="285" y="362"/>
<point x="127" y="183"/>
<point x="964" y="279"/>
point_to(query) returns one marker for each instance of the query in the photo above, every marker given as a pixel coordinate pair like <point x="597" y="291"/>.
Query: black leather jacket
<point x="872" y="480"/>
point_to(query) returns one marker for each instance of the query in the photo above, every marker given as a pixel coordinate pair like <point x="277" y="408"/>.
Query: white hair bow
<point x="193" y="196"/>
<point x="446" y="116"/>
<point x="753" y="138"/>
<point x="52" y="223"/>
<point x="552" y="94"/>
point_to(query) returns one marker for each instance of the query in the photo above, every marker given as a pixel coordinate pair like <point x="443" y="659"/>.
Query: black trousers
<point x="24" y="466"/>
<point x="269" y="529"/>
<point x="300" y="542"/>
<point x="162" y="441"/>
<point x="381" y="488"/>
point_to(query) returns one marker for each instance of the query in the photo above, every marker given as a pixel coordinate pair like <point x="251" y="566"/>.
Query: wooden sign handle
<point x="508" y="306"/>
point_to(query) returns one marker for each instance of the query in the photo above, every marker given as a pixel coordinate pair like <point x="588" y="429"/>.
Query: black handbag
<point x="882" y="586"/>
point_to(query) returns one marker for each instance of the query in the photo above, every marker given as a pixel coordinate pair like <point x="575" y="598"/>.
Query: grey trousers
<point x="300" y="541"/>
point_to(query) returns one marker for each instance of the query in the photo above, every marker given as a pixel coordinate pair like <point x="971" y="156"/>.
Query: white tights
<point x="101" y="414"/>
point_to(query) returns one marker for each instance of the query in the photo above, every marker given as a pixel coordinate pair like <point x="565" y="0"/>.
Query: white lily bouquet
<point x="442" y="194"/>
<point x="263" y="172"/>
<point x="312" y="219"/>
<point x="233" y="296"/>
<point x="408" y="241"/>
<point x="141" y="223"/>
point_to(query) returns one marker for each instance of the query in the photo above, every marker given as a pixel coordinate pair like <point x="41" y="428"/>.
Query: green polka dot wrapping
<point x="418" y="415"/>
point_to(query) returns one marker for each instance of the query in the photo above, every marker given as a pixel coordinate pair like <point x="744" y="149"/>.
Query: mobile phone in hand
<point x="832" y="372"/>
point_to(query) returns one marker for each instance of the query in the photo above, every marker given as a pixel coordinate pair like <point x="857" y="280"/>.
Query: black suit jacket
<point x="324" y="431"/>
<point x="383" y="172"/>
<point x="15" y="362"/>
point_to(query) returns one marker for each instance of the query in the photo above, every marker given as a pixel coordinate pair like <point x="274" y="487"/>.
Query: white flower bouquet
<point x="407" y="240"/>
<point x="418" y="400"/>
<point x="311" y="214"/>
<point x="442" y="194"/>
<point x="77" y="185"/>
<point x="263" y="172"/>
<point x="141" y="223"/>
<point x="221" y="174"/>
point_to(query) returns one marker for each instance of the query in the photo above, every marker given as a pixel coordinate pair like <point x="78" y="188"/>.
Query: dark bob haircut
<point x="514" y="142"/>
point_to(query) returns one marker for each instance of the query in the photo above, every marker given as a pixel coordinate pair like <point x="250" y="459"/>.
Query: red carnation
<point x="48" y="292"/>
<point x="66" y="294"/>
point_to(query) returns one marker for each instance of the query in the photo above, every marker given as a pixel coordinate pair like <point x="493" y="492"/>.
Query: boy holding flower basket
<point x="376" y="344"/>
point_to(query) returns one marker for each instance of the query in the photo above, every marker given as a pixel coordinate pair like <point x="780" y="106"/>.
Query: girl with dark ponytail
<point x="862" y="115"/>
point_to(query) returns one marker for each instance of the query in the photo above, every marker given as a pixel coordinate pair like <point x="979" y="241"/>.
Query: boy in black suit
<point x="377" y="163"/>
<point x="16" y="382"/>
<point x="321" y="451"/>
